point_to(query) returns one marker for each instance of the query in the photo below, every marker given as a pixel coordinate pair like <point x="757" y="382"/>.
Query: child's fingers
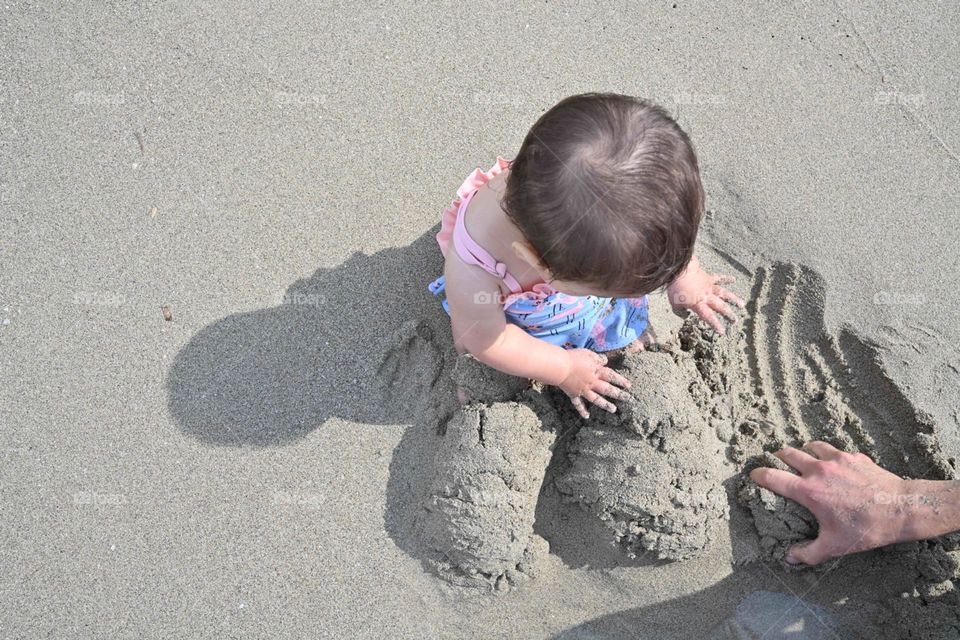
<point x="724" y="279"/>
<point x="608" y="390"/>
<point x="730" y="296"/>
<point x="600" y="401"/>
<point x="708" y="316"/>
<point x="722" y="308"/>
<point x="609" y="375"/>
<point x="578" y="405"/>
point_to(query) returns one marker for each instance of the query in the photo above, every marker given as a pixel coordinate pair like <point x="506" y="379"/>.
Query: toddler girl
<point x="550" y="256"/>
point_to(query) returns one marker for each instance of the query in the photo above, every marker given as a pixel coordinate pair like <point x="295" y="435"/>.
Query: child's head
<point x="606" y="190"/>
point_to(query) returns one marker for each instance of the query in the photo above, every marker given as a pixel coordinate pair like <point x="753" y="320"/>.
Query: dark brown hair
<point x="606" y="189"/>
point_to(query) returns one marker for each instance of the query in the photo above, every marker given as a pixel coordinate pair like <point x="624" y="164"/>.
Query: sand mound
<point x="706" y="410"/>
<point x="482" y="384"/>
<point x="643" y="471"/>
<point x="477" y="520"/>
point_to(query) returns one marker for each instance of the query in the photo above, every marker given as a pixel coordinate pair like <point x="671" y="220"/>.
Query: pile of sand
<point x="477" y="520"/>
<point x="643" y="470"/>
<point x="668" y="470"/>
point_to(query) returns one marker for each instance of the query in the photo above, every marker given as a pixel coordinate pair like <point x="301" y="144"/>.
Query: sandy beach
<point x="257" y="465"/>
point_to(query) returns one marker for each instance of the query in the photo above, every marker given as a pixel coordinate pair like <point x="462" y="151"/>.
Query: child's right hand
<point x="591" y="379"/>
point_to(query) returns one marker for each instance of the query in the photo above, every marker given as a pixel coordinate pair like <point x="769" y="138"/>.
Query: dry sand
<point x="274" y="176"/>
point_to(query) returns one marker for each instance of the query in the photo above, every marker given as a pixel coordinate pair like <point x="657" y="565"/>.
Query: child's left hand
<point x="698" y="291"/>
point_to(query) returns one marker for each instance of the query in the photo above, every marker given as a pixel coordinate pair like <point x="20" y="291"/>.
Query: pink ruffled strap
<point x="472" y="183"/>
<point x="472" y="253"/>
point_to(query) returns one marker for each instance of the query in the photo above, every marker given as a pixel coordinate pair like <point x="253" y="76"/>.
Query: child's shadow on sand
<point x="270" y="377"/>
<point x="364" y="341"/>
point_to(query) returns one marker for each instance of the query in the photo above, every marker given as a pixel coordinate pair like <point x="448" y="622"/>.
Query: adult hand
<point x="859" y="505"/>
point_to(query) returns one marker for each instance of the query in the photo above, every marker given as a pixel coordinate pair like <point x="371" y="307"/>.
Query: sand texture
<point x="652" y="471"/>
<point x="226" y="387"/>
<point x="477" y="520"/>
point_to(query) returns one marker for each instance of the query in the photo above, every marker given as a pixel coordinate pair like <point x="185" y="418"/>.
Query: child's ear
<point x="529" y="255"/>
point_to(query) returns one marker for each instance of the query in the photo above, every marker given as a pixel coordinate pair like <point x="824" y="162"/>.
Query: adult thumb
<point x="812" y="552"/>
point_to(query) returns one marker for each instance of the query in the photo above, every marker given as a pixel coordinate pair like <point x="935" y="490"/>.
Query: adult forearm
<point x="933" y="508"/>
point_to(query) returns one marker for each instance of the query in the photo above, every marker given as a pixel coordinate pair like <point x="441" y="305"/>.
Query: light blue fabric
<point x="571" y="322"/>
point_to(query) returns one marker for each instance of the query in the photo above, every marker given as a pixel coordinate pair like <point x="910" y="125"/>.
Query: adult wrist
<point x="918" y="510"/>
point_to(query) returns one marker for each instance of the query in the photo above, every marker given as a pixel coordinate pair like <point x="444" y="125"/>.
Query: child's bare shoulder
<point x="468" y="285"/>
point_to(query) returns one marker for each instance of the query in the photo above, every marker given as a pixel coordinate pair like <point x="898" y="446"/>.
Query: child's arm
<point x="480" y="328"/>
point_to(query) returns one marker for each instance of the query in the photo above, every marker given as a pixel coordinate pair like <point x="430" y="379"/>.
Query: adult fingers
<point x="578" y="405"/>
<point x="708" y="316"/>
<point x="730" y="296"/>
<point x="822" y="450"/>
<point x="781" y="482"/>
<point x="799" y="460"/>
<point x="609" y="375"/>
<point x="600" y="401"/>
<point x="813" y="552"/>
